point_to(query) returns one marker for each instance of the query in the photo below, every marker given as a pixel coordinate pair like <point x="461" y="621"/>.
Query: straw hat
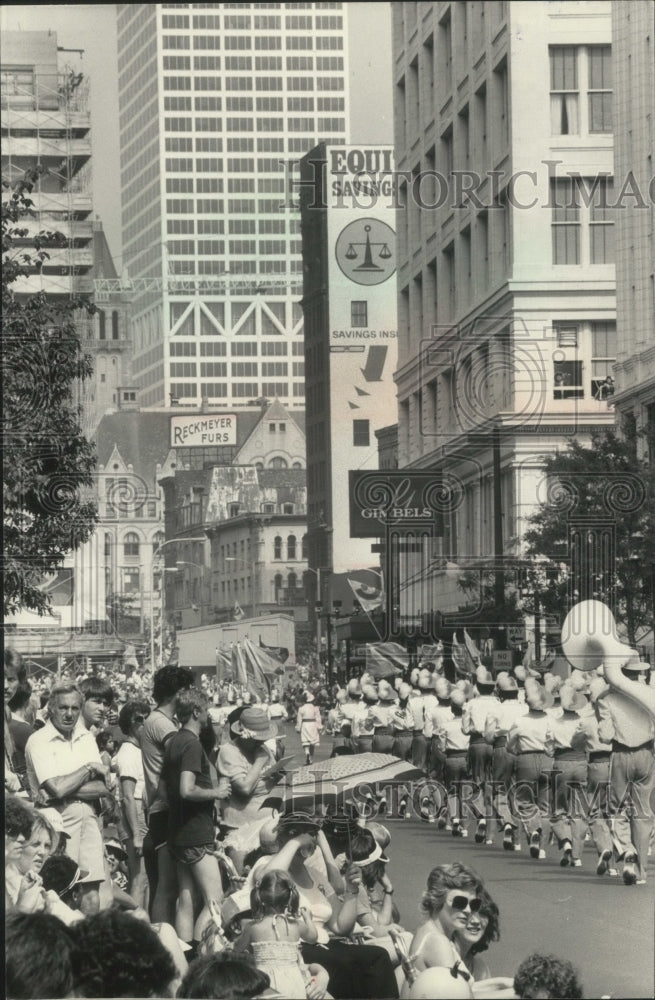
<point x="354" y="688"/>
<point x="552" y="683"/>
<point x="254" y="724"/>
<point x="505" y="682"/>
<point x="538" y="698"/>
<point x="309" y="696"/>
<point x="442" y="688"/>
<point x="404" y="690"/>
<point x="369" y="692"/>
<point x="413" y="677"/>
<point x="457" y="697"/>
<point x="385" y="691"/>
<point x="520" y="673"/>
<point x="570" y="699"/>
<point x="425" y="680"/>
<point x="484" y="678"/>
<point x="637" y="666"/>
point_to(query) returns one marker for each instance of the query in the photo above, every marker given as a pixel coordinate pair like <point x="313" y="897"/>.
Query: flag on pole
<point x="238" y="612"/>
<point x="386" y="659"/>
<point x="367" y="588"/>
<point x="464" y="662"/>
<point x="472" y="649"/>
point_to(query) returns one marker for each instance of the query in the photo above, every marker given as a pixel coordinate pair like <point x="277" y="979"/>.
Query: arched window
<point x="101" y="322"/>
<point x="131" y="544"/>
<point x="303" y="547"/>
<point x="107" y="544"/>
<point x="278" y="586"/>
<point x="277" y="547"/>
<point x="291" y="547"/>
<point x="277" y="463"/>
<point x="292" y="582"/>
<point x="114" y="325"/>
<point x="296" y="465"/>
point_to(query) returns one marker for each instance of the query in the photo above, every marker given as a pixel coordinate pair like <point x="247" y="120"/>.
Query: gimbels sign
<point x="386" y="499"/>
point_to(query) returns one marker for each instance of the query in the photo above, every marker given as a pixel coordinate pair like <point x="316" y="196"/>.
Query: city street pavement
<point x="605" y="928"/>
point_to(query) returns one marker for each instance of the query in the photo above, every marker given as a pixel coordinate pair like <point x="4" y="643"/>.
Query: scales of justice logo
<point x="365" y="251"/>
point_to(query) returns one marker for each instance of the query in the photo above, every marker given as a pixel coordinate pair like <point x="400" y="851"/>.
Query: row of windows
<point x="244" y="43"/>
<point x="238" y="390"/>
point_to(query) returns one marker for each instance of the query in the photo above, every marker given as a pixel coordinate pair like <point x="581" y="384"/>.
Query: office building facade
<point x="506" y="305"/>
<point x="633" y="38"/>
<point x="218" y="102"/>
<point x="349" y="302"/>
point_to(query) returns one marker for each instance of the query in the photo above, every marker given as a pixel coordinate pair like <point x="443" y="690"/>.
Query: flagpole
<point x="372" y="622"/>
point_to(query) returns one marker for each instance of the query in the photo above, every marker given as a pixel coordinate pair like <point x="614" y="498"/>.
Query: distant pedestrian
<point x="309" y="725"/>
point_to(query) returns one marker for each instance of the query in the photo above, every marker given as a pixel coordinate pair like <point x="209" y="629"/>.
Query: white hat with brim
<point x="236" y="905"/>
<point x="637" y="666"/>
<point x="571" y="699"/>
<point x="254" y="724"/>
<point x="55" y="819"/>
<point x="538" y="699"/>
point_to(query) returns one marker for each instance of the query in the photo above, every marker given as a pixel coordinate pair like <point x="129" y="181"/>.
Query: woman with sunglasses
<point x="482" y="928"/>
<point x="451" y="897"/>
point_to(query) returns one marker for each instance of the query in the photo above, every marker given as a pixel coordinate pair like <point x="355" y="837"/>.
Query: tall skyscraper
<point x="218" y="102"/>
<point x="506" y="314"/>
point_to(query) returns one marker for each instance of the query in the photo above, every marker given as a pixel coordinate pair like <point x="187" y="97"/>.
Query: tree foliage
<point x="603" y="482"/>
<point x="48" y="463"/>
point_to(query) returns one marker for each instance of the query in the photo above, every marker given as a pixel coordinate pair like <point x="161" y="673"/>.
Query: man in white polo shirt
<point x="64" y="770"/>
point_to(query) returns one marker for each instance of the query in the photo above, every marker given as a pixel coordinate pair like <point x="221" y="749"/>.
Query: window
<point x="568" y="380"/>
<point x="582" y="220"/>
<point x="564" y="91"/>
<point x="277" y="463"/>
<point x="131" y="544"/>
<point x="603" y="356"/>
<point x="359" y="313"/>
<point x="130" y="579"/>
<point x="567" y="334"/>
<point x="287" y="508"/>
<point x="600" y="88"/>
<point x="291" y="547"/>
<point x="601" y="224"/>
<point x="361" y="433"/>
<point x="569" y="116"/>
<point x="565" y="223"/>
<point x="303" y="546"/>
<point x="277" y="547"/>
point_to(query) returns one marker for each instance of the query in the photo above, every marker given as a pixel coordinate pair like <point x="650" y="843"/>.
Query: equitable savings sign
<point x="384" y="500"/>
<point x="203" y="431"/>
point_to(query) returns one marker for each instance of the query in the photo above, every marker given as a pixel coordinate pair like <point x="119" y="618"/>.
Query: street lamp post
<point x="252" y="567"/>
<point x="317" y="574"/>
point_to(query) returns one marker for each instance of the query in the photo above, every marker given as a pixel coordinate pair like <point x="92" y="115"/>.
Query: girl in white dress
<point x="274" y="936"/>
<point x="309" y="725"/>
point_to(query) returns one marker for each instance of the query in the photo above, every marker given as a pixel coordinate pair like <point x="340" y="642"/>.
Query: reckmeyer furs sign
<point x="203" y="431"/>
<point x="383" y="499"/>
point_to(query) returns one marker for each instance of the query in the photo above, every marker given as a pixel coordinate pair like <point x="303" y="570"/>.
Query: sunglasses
<point x="462" y="903"/>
